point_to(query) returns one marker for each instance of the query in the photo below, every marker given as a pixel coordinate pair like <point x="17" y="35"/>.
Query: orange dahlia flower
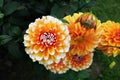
<point x="47" y="40"/>
<point x="83" y="39"/>
<point x="110" y="42"/>
<point x="77" y="63"/>
<point x="59" y="67"/>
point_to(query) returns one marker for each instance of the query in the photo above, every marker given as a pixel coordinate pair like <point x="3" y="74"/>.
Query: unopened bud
<point x="87" y="20"/>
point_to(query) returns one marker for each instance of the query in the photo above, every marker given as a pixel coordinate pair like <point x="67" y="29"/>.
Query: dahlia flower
<point x="110" y="43"/>
<point x="78" y="63"/>
<point x="84" y="38"/>
<point x="47" y="40"/>
<point x="59" y="67"/>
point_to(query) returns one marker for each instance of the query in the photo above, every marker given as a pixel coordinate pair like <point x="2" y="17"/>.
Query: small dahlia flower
<point x="78" y="63"/>
<point x="83" y="39"/>
<point x="110" y="43"/>
<point x="47" y="40"/>
<point x="59" y="67"/>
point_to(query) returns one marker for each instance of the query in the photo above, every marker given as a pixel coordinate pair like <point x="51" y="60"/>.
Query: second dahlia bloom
<point x="77" y="63"/>
<point x="47" y="40"/>
<point x="110" y="43"/>
<point x="84" y="39"/>
<point x="59" y="67"/>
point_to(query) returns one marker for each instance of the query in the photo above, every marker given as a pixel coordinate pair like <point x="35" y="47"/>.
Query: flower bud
<point x="87" y="20"/>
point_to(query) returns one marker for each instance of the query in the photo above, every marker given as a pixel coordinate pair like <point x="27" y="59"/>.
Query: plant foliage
<point x="15" y="15"/>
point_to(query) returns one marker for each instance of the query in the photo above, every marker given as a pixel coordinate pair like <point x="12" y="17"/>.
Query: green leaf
<point x="72" y="8"/>
<point x="1" y="15"/>
<point x="75" y="0"/>
<point x="40" y="70"/>
<point x="83" y="74"/>
<point x="1" y="3"/>
<point x="11" y="7"/>
<point x="53" y="76"/>
<point x="15" y="31"/>
<point x="4" y="39"/>
<point x="87" y="1"/>
<point x="14" y="50"/>
<point x="6" y="27"/>
<point x="58" y="11"/>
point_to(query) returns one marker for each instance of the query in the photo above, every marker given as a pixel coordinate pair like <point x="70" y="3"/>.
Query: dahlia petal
<point x="63" y="28"/>
<point x="26" y="43"/>
<point x="28" y="50"/>
<point x="66" y="49"/>
<point x="52" y="52"/>
<point x="38" y="58"/>
<point x="46" y="57"/>
<point x="60" y="49"/>
<point x="26" y="37"/>
<point x="32" y="57"/>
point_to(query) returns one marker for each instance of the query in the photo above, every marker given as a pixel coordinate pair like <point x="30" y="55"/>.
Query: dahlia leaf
<point x="72" y="8"/>
<point x="4" y="39"/>
<point x="87" y="1"/>
<point x="57" y="11"/>
<point x="1" y="3"/>
<point x="15" y="31"/>
<point x="40" y="71"/>
<point x="10" y="7"/>
<point x="1" y="15"/>
<point x="83" y="74"/>
<point x="14" y="50"/>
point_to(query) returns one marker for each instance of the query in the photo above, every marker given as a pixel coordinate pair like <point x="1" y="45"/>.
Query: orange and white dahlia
<point x="47" y="40"/>
<point x="84" y="38"/>
<point x="59" y="67"/>
<point x="110" y="43"/>
<point x="78" y="63"/>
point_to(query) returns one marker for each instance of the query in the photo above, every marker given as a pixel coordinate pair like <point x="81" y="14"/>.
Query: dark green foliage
<point x="10" y="7"/>
<point x="15" y="16"/>
<point x="1" y="15"/>
<point x="1" y="3"/>
<point x="70" y="75"/>
<point x="4" y="39"/>
<point x="60" y="9"/>
<point x="107" y="10"/>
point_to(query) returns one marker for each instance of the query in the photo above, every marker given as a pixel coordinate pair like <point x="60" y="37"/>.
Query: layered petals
<point x="110" y="42"/>
<point x="83" y="39"/>
<point x="59" y="67"/>
<point x="78" y="63"/>
<point x="47" y="40"/>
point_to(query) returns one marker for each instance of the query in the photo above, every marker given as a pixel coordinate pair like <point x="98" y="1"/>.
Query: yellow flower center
<point x="47" y="39"/>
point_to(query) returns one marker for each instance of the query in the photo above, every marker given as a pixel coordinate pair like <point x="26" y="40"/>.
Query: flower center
<point x="77" y="58"/>
<point x="48" y="39"/>
<point x="118" y="35"/>
<point x="80" y="39"/>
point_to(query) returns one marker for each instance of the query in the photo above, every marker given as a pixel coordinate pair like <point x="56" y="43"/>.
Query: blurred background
<point x="15" y="16"/>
